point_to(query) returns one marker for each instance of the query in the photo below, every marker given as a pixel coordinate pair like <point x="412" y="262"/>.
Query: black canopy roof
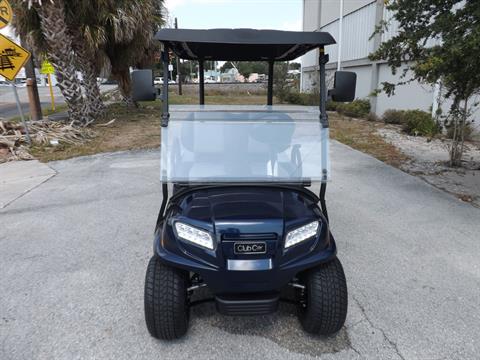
<point x="242" y="44"/>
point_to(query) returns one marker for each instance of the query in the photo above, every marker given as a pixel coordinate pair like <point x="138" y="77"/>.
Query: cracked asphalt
<point x="73" y="254"/>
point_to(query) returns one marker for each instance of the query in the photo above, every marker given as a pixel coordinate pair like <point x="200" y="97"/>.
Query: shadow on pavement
<point x="282" y="327"/>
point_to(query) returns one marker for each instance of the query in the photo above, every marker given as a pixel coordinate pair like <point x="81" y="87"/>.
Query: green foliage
<point x="467" y="131"/>
<point x="373" y="117"/>
<point x="294" y="66"/>
<point x="332" y="105"/>
<point x="245" y="68"/>
<point x="298" y="98"/>
<point x="396" y="117"/>
<point x="440" y="39"/>
<point x="454" y="59"/>
<point x="417" y="122"/>
<point x="358" y="108"/>
<point x="281" y="88"/>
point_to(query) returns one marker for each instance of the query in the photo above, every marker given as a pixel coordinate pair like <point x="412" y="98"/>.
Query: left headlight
<point x="194" y="235"/>
<point x="301" y="234"/>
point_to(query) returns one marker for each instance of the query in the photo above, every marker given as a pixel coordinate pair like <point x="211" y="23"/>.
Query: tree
<point x="90" y="36"/>
<point x="129" y="27"/>
<point x="294" y="66"/>
<point x="226" y="66"/>
<point x="245" y="68"/>
<point x="281" y="87"/>
<point x="454" y="28"/>
<point x="46" y="25"/>
<point x="87" y="32"/>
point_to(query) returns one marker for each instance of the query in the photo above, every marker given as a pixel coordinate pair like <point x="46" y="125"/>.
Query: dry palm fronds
<point x="13" y="140"/>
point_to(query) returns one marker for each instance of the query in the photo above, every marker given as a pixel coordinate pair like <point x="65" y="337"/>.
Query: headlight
<point x="194" y="235"/>
<point x="302" y="233"/>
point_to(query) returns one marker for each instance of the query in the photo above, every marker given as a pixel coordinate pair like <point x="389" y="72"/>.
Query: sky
<point x="257" y="14"/>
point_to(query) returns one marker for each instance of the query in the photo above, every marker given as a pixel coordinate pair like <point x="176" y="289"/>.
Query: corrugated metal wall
<point x="358" y="27"/>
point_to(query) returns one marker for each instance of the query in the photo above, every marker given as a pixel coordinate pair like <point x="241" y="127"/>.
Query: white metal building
<point x="359" y="20"/>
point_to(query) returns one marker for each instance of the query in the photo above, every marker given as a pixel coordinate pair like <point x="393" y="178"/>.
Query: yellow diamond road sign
<point x="12" y="58"/>
<point x="5" y="13"/>
<point x="47" y="68"/>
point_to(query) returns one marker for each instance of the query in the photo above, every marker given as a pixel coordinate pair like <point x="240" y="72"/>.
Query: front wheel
<point x="166" y="301"/>
<point x="322" y="306"/>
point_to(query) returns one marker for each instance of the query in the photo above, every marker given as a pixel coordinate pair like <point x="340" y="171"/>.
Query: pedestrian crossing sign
<point x="5" y="13"/>
<point x="47" y="68"/>
<point x="12" y="58"/>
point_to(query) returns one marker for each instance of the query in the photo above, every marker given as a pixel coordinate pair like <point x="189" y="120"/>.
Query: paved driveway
<point x="73" y="252"/>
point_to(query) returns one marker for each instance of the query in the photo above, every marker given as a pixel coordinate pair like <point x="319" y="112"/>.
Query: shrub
<point x="297" y="98"/>
<point x="357" y="108"/>
<point x="332" y="105"/>
<point x="421" y="123"/>
<point x="467" y="131"/>
<point x="394" y="117"/>
<point x="372" y="117"/>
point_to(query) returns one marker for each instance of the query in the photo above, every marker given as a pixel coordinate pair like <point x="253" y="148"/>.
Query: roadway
<point x="8" y="107"/>
<point x="74" y="250"/>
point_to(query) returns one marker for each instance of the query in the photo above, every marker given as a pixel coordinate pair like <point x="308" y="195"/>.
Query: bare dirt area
<point x="428" y="159"/>
<point x="363" y="135"/>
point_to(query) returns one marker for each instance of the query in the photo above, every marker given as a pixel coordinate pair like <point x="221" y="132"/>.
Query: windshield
<point x="209" y="144"/>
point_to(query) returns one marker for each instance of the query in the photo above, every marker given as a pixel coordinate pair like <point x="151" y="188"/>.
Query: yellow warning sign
<point x="12" y="58"/>
<point x="47" y="68"/>
<point x="5" y="13"/>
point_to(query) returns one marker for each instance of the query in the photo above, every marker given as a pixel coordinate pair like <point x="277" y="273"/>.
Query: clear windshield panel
<point x="234" y="144"/>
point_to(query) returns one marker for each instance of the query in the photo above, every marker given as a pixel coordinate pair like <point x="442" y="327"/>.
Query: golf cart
<point x="239" y="214"/>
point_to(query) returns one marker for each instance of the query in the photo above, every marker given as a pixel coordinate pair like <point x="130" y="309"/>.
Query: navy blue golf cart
<point x="239" y="213"/>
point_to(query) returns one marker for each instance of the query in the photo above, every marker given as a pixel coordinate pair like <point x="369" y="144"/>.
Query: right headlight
<point x="194" y="235"/>
<point x="302" y="233"/>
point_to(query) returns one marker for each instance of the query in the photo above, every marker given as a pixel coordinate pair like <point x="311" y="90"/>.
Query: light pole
<point x="340" y="31"/>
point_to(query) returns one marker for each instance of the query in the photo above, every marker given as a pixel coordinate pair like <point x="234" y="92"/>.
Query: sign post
<point x="48" y="69"/>
<point x="12" y="59"/>
<point x="20" y="110"/>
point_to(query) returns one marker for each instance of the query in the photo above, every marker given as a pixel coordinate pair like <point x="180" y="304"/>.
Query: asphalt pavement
<point x="74" y="249"/>
<point x="8" y="106"/>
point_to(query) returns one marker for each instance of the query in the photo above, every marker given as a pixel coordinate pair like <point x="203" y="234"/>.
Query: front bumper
<point x="246" y="275"/>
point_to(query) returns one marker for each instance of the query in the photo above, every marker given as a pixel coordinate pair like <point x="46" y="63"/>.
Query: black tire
<point x="323" y="305"/>
<point x="166" y="302"/>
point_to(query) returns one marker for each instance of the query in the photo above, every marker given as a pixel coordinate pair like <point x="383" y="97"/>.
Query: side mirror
<point x="142" y="85"/>
<point x="344" y="86"/>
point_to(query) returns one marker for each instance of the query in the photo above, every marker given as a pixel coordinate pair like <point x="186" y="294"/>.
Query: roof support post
<point x="201" y="82"/>
<point x="165" y="113"/>
<point x="270" y="83"/>
<point x="323" y="60"/>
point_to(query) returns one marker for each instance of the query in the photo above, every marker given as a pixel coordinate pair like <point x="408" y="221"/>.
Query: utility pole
<point x="340" y="33"/>
<point x="179" y="75"/>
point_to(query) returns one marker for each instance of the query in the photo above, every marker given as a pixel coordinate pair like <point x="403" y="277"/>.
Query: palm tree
<point x="49" y="19"/>
<point x="113" y="35"/>
<point x="90" y="36"/>
<point x="130" y="27"/>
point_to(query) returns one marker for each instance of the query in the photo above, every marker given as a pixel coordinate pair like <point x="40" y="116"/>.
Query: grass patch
<point x="140" y="129"/>
<point x="361" y="135"/>
<point x="132" y="129"/>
